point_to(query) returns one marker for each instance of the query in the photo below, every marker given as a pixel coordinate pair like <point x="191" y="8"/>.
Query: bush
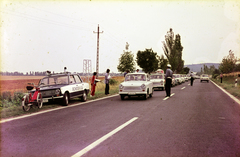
<point x="17" y="98"/>
<point x="113" y="82"/>
<point x="6" y="96"/>
<point x="215" y="76"/>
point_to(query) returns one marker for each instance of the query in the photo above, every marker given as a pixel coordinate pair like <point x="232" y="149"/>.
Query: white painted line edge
<point x="183" y="87"/>
<point x="105" y="137"/>
<point x="59" y="108"/>
<point x="231" y="96"/>
<point x="170" y="96"/>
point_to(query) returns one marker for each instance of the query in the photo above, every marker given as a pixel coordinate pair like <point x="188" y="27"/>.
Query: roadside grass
<point x="10" y="104"/>
<point x="228" y="84"/>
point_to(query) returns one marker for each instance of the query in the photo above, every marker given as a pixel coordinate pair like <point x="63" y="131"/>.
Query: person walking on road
<point x="107" y="78"/>
<point x="192" y="78"/>
<point x="168" y="80"/>
<point x="93" y="84"/>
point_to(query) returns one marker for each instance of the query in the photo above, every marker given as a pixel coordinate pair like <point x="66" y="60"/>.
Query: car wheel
<point x="84" y="97"/>
<point x="150" y="95"/>
<point x="65" y="99"/>
<point x="122" y="97"/>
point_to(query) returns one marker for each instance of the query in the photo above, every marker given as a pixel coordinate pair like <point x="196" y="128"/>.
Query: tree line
<point x="149" y="61"/>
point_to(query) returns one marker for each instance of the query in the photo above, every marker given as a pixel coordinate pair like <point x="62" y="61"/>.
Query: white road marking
<point x="231" y="96"/>
<point x="169" y="97"/>
<point x="189" y="84"/>
<point x="183" y="87"/>
<point x="59" y="108"/>
<point x="94" y="144"/>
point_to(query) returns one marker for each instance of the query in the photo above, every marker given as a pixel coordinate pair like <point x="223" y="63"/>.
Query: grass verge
<point x="228" y="84"/>
<point x="10" y="105"/>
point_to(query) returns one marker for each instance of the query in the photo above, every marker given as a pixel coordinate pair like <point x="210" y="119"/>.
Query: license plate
<point x="45" y="100"/>
<point x="131" y="93"/>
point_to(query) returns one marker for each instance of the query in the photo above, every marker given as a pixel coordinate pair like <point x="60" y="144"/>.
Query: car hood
<point x="51" y="87"/>
<point x="133" y="83"/>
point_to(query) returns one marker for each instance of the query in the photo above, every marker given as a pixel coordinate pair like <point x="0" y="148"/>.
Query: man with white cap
<point x="168" y="80"/>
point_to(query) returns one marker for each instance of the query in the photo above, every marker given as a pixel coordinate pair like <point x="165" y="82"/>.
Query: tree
<point x="147" y="60"/>
<point x="186" y="70"/>
<point x="126" y="62"/>
<point x="228" y="63"/>
<point x="173" y="50"/>
<point x="162" y="62"/>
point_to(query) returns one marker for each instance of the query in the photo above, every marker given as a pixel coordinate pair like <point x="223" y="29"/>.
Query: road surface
<point x="198" y="120"/>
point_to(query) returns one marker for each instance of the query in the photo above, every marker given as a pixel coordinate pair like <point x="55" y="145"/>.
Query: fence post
<point x="236" y="82"/>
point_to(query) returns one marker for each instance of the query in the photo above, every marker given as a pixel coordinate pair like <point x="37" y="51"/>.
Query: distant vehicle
<point x="204" y="77"/>
<point x="158" y="81"/>
<point x="178" y="79"/>
<point x="63" y="86"/>
<point x="136" y="84"/>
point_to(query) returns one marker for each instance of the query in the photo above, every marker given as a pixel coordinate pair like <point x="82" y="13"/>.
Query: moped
<point x="32" y="99"/>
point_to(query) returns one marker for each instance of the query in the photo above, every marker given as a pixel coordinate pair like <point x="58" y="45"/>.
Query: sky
<point x="50" y="35"/>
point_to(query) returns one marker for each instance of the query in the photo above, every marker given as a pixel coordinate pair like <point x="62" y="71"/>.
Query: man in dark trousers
<point x="192" y="78"/>
<point x="168" y="80"/>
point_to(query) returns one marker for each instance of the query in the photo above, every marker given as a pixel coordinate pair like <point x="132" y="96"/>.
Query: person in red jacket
<point x="93" y="84"/>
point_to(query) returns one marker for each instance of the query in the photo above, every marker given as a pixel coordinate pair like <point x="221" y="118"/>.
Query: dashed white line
<point x="183" y="87"/>
<point x="94" y="144"/>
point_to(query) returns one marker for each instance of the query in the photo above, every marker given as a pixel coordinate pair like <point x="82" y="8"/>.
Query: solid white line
<point x="183" y="87"/>
<point x="59" y="108"/>
<point x="94" y="144"/>
<point x="231" y="96"/>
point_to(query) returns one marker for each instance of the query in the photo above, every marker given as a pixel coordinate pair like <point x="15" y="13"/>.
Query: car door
<point x="74" y="89"/>
<point x="79" y="85"/>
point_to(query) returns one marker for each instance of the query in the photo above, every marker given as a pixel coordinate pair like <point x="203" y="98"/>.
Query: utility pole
<point x="97" y="66"/>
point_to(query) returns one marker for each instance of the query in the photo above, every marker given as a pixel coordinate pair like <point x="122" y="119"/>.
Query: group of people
<point x="94" y="81"/>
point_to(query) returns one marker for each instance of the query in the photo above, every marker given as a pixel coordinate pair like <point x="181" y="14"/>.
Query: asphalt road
<point x="198" y="120"/>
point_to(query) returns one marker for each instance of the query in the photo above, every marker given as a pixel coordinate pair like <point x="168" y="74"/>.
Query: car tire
<point x="65" y="99"/>
<point x="122" y="97"/>
<point x="150" y="95"/>
<point x="84" y="96"/>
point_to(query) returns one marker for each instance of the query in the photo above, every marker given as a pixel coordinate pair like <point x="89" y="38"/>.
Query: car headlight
<point x="121" y="86"/>
<point x="143" y="86"/>
<point x="57" y="92"/>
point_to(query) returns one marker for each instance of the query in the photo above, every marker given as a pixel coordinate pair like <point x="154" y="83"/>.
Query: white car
<point x="158" y="80"/>
<point x="204" y="77"/>
<point x="178" y="79"/>
<point x="136" y="84"/>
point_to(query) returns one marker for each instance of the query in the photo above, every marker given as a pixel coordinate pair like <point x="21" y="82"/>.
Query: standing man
<point x="168" y="80"/>
<point x="107" y="78"/>
<point x="221" y="76"/>
<point x="192" y="78"/>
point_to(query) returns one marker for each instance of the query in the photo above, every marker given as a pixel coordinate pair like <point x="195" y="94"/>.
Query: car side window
<point x="78" y="80"/>
<point x="72" y="80"/>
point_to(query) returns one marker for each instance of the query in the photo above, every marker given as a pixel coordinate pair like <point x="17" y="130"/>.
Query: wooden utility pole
<point x="97" y="65"/>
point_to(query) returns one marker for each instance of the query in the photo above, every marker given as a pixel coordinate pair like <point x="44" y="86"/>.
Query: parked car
<point x="204" y="77"/>
<point x="63" y="86"/>
<point x="178" y="79"/>
<point x="158" y="81"/>
<point x="136" y="84"/>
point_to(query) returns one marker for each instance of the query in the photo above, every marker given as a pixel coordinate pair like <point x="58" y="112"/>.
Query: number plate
<point x="45" y="100"/>
<point x="131" y="93"/>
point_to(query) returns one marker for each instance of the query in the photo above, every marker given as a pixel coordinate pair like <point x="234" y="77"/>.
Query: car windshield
<point x="135" y="77"/>
<point x="156" y="76"/>
<point x="54" y="80"/>
<point x="204" y="75"/>
<point x="176" y="75"/>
